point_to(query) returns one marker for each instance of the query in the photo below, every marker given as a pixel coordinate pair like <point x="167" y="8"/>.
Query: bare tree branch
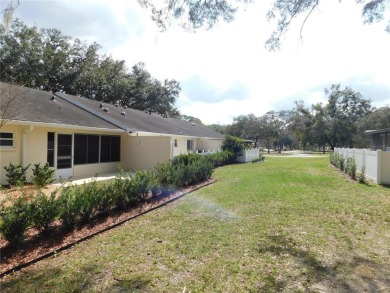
<point x="8" y="96"/>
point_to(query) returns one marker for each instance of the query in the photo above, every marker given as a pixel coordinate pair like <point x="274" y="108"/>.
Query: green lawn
<point x="284" y="225"/>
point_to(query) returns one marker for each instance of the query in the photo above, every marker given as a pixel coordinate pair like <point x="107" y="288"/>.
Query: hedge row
<point x="77" y="205"/>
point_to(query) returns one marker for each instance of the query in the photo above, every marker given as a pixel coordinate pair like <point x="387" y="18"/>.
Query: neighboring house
<point x="79" y="137"/>
<point x="379" y="139"/>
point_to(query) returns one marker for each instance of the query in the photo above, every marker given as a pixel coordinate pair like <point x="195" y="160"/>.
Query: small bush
<point x="105" y="199"/>
<point x="220" y="158"/>
<point x="69" y="206"/>
<point x="42" y="176"/>
<point x="87" y="196"/>
<point x="183" y="171"/>
<point x="44" y="209"/>
<point x="362" y="175"/>
<point x="16" y="174"/>
<point x="141" y="182"/>
<point x="15" y="217"/>
<point x="350" y="167"/>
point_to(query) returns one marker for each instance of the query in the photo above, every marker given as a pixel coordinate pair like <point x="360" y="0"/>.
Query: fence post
<point x="379" y="166"/>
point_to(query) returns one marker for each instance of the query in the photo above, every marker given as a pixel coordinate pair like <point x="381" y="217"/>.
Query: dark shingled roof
<point x="139" y="121"/>
<point x="33" y="105"/>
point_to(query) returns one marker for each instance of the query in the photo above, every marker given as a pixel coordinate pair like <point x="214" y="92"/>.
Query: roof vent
<point x="125" y="106"/>
<point x="193" y="124"/>
<point x="106" y="110"/>
<point x="101" y="105"/>
<point x="53" y="98"/>
<point x="123" y="113"/>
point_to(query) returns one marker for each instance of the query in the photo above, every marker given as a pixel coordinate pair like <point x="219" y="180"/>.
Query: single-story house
<point x="80" y="137"/>
<point x="379" y="139"/>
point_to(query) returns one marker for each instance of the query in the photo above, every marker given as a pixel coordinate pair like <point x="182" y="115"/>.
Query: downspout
<point x="25" y="144"/>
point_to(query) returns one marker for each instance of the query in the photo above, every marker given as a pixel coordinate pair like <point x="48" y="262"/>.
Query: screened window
<point x="109" y="148"/>
<point x="64" y="151"/>
<point x="86" y="149"/>
<point x="175" y="143"/>
<point x="89" y="149"/>
<point x="6" y="139"/>
<point x="50" y="148"/>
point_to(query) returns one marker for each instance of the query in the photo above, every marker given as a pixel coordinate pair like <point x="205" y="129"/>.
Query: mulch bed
<point x="38" y="246"/>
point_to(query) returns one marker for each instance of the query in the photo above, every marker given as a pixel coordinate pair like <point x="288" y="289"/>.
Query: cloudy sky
<point x="227" y="72"/>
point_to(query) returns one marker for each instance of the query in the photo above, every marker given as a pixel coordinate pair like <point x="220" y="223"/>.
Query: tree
<point x="9" y="94"/>
<point x="377" y="119"/>
<point x="334" y="123"/>
<point x="194" y="14"/>
<point x="344" y="109"/>
<point x="234" y="145"/>
<point x="49" y="60"/>
<point x="237" y="127"/>
<point x="191" y="119"/>
<point x="219" y="128"/>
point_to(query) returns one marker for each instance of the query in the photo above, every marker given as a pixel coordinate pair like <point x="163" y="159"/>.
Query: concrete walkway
<point x="79" y="181"/>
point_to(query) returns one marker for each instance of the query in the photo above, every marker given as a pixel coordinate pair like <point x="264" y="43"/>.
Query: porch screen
<point x="110" y="148"/>
<point x="90" y="149"/>
<point x="86" y="149"/>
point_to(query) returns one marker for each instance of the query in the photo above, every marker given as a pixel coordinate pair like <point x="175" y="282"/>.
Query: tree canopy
<point x="340" y="122"/>
<point x="52" y="61"/>
<point x="195" y="14"/>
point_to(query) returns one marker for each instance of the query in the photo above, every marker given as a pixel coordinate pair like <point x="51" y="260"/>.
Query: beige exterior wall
<point x="385" y="165"/>
<point x="81" y="171"/>
<point x="30" y="147"/>
<point x="181" y="147"/>
<point x="137" y="152"/>
<point x="11" y="154"/>
<point x="143" y="152"/>
<point x="209" y="144"/>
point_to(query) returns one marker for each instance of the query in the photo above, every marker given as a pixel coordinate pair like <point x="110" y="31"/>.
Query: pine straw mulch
<point x="38" y="246"/>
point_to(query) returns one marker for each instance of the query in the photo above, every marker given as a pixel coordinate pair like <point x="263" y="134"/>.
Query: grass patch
<point x="288" y="224"/>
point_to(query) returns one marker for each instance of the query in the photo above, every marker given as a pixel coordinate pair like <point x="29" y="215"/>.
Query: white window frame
<point x="8" y="139"/>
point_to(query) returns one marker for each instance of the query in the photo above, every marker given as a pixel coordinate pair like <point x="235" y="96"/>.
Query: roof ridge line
<point x="91" y="111"/>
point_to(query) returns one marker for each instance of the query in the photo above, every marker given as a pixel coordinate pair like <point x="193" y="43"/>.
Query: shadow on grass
<point x="352" y="274"/>
<point x="87" y="278"/>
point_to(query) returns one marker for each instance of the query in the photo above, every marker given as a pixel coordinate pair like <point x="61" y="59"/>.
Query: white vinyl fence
<point x="249" y="155"/>
<point x="376" y="163"/>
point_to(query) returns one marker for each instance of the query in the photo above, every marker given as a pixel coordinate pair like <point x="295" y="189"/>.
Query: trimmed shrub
<point x="184" y="170"/>
<point x="70" y="206"/>
<point x="44" y="209"/>
<point x="105" y="198"/>
<point x="220" y="158"/>
<point x="141" y="182"/>
<point x="16" y="174"/>
<point x="15" y="217"/>
<point x="87" y="197"/>
<point x="42" y="176"/>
